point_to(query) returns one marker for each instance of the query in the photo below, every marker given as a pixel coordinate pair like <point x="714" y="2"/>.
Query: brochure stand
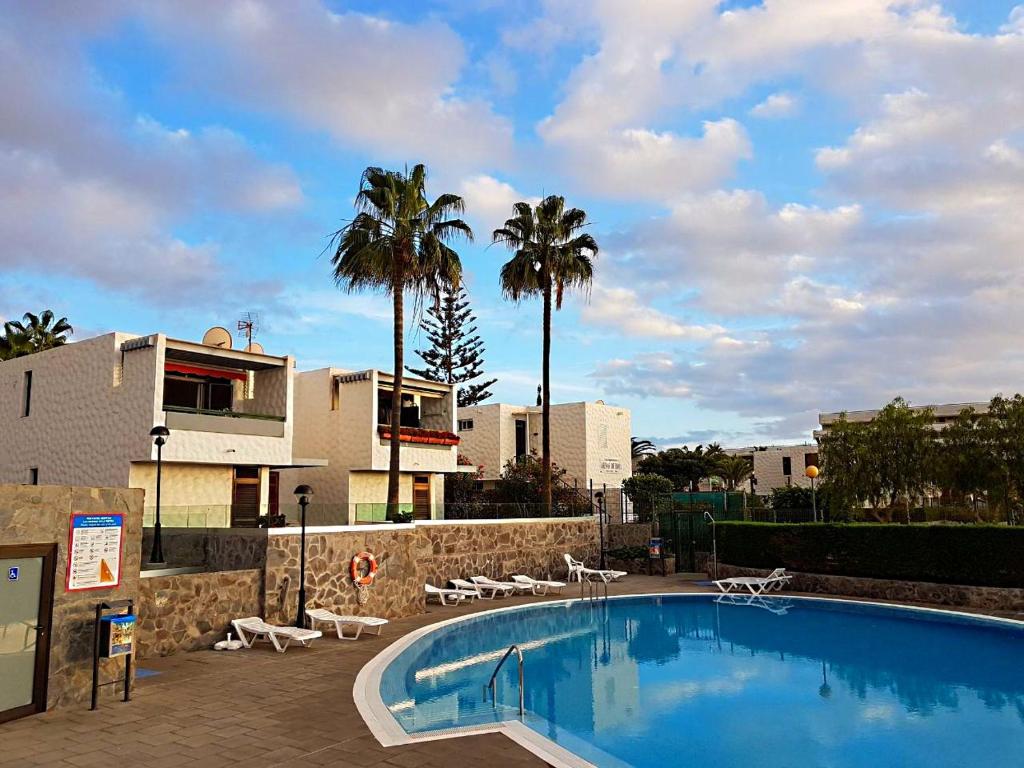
<point x="114" y="635"/>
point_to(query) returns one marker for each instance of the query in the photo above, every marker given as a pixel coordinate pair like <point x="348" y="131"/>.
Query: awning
<point x="196" y="370"/>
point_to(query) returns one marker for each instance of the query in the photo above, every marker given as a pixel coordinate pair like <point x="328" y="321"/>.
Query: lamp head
<point x="303" y="493"/>
<point x="159" y="433"/>
<point x="811" y="471"/>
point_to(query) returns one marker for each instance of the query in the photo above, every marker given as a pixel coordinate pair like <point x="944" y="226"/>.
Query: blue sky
<point x="801" y="206"/>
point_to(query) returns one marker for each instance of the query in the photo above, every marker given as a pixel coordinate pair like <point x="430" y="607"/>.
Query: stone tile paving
<point x="259" y="708"/>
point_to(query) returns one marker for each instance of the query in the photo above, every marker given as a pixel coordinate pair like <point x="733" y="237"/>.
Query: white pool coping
<point x="389" y="732"/>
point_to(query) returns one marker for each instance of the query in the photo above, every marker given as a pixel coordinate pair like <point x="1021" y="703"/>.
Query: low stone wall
<point x="397" y="591"/>
<point x="622" y="535"/>
<point x="188" y="612"/>
<point x="408" y="556"/>
<point x="644" y="565"/>
<point x="954" y="595"/>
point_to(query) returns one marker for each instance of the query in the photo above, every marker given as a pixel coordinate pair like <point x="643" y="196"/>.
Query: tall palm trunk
<point x="546" y="396"/>
<point x="395" y="465"/>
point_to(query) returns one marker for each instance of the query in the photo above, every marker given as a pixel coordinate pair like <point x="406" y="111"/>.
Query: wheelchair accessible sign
<point x="13" y="573"/>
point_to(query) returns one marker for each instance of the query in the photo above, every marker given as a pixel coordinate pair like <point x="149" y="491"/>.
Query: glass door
<point x="26" y="602"/>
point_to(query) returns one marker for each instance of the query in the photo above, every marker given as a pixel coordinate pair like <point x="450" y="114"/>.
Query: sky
<point x="800" y="206"/>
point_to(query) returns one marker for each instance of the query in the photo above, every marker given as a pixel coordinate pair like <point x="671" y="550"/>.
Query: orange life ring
<point x="357" y="561"/>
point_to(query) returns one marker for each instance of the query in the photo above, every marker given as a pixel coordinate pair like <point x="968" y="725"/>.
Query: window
<point x="197" y="394"/>
<point x="26" y="397"/>
<point x="787" y="465"/>
<point x="810" y="460"/>
<point x="33" y="476"/>
<point x="465" y="425"/>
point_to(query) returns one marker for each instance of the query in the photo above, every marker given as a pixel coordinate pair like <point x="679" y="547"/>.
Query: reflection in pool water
<point x="677" y="680"/>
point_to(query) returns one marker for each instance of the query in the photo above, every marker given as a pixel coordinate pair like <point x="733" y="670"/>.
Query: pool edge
<point x="389" y="732"/>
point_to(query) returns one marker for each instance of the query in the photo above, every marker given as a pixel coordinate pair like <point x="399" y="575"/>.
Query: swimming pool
<point x="686" y="679"/>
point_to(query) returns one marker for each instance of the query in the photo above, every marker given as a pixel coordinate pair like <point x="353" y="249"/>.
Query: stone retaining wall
<point x="188" y="612"/>
<point x="41" y="514"/>
<point x="408" y="556"/>
<point x="955" y="595"/>
<point x="621" y="535"/>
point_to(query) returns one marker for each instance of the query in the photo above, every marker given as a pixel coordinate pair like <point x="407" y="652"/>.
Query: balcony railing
<point x="226" y="414"/>
<point x="225" y="422"/>
<point x="420" y="436"/>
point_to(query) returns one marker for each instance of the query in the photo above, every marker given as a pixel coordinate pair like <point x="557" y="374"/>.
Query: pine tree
<point x="456" y="352"/>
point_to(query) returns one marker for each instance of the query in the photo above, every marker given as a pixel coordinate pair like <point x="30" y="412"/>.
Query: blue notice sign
<point x="13" y="573"/>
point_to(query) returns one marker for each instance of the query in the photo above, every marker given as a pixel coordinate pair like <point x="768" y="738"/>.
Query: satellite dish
<point x="217" y="337"/>
<point x="255" y="347"/>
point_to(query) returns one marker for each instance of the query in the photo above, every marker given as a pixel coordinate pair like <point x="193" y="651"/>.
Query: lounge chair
<point x="449" y="596"/>
<point x="509" y="586"/>
<point x="539" y="586"/>
<point x="485" y="591"/>
<point x="582" y="573"/>
<point x="756" y="585"/>
<point x="254" y="628"/>
<point x="340" y="622"/>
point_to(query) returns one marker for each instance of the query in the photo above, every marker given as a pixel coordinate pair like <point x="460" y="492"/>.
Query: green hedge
<point x="976" y="555"/>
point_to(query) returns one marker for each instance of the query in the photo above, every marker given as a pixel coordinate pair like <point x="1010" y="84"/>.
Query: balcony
<point x="224" y="422"/>
<point x="420" y="436"/>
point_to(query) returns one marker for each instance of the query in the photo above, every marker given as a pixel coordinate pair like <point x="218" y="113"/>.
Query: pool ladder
<point x="593" y="589"/>
<point x="492" y="683"/>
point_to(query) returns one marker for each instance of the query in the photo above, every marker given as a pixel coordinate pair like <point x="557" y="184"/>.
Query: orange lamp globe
<point x="811" y="471"/>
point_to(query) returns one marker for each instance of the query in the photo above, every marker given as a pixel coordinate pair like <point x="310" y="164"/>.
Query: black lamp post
<point x="302" y="493"/>
<point x="159" y="435"/>
<point x="600" y="524"/>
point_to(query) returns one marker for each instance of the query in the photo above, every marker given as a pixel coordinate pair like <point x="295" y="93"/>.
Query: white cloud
<point x="622" y="311"/>
<point x="384" y="86"/>
<point x="776" y="105"/>
<point x="489" y="203"/>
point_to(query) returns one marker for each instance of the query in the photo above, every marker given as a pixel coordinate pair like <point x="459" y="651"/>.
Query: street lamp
<point x="600" y="524"/>
<point x="159" y="434"/>
<point x="302" y="493"/>
<point x="812" y="472"/>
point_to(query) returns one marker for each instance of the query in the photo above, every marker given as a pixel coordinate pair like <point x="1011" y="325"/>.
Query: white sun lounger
<point x="486" y="582"/>
<point x="340" y="622"/>
<point x="539" y="586"/>
<point x="484" y="591"/>
<point x="254" y="628"/>
<point x="756" y="585"/>
<point x="449" y="596"/>
<point x="582" y="573"/>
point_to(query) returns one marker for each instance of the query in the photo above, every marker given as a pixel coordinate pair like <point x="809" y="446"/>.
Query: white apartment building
<point x="80" y="414"/>
<point x="779" y="466"/>
<point x="345" y="416"/>
<point x="591" y="441"/>
<point x="941" y="415"/>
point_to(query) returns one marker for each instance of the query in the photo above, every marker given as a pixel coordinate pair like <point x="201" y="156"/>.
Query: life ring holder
<point x="355" y="569"/>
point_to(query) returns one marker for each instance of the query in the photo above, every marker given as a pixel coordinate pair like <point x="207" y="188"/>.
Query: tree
<point x="847" y="467"/>
<point x="397" y="244"/>
<point x="1005" y="434"/>
<point x="965" y="461"/>
<point x="456" y="353"/>
<point x="551" y="255"/>
<point x="734" y="470"/>
<point x="640" y="448"/>
<point x="684" y="467"/>
<point x="33" y="333"/>
<point x="901" y="439"/>
<point x="645" y="491"/>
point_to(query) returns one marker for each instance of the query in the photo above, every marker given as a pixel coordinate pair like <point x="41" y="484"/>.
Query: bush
<point x="976" y="555"/>
<point x="646" y="491"/>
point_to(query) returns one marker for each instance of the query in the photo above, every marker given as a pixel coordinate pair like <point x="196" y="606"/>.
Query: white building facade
<point x="80" y="414"/>
<point x="591" y="441"/>
<point x="779" y="466"/>
<point x="345" y="416"/>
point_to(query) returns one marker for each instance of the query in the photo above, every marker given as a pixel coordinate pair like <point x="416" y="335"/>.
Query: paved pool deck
<point x="260" y="708"/>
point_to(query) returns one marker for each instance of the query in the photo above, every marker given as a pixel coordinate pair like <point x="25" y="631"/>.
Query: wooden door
<point x="245" y="498"/>
<point x="421" y="497"/>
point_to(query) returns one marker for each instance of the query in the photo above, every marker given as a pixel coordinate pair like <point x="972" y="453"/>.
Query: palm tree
<point x="550" y="256"/>
<point x="640" y="448"/>
<point x="33" y="333"/>
<point x="734" y="470"/>
<point x="397" y="244"/>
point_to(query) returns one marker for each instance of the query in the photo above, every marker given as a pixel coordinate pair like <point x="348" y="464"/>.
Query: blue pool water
<point x="684" y="680"/>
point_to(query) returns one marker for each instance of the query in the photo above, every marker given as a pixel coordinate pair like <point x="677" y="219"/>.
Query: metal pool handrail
<point x="492" y="682"/>
<point x="594" y="588"/>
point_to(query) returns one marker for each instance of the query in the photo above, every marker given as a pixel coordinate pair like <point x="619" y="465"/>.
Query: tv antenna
<point x="249" y="326"/>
